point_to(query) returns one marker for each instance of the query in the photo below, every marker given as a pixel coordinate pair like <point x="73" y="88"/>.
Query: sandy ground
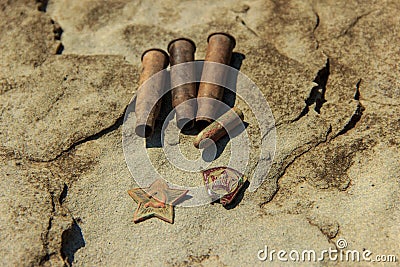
<point x="68" y="69"/>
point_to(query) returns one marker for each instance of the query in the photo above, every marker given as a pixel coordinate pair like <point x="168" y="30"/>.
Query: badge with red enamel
<point x="223" y="183"/>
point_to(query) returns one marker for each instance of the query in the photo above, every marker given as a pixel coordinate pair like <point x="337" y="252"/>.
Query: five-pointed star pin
<point x="157" y="200"/>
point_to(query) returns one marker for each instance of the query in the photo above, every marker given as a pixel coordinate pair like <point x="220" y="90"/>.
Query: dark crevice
<point x="58" y="31"/>
<point x="283" y="171"/>
<point x="100" y="134"/>
<point x="45" y="240"/>
<point x="60" y="49"/>
<point x="45" y="258"/>
<point x="317" y="94"/>
<point x="42" y="7"/>
<point x="240" y="20"/>
<point x="353" y="120"/>
<point x="317" y="22"/>
<point x="45" y="236"/>
<point x="63" y="194"/>
<point x="302" y="114"/>
<point x="315" y="28"/>
<point x="72" y="238"/>
<point x="71" y="241"/>
<point x="354" y="23"/>
<point x="328" y="132"/>
<point x="357" y="93"/>
<point x="356" y="117"/>
<point x="321" y="80"/>
<point x="92" y="137"/>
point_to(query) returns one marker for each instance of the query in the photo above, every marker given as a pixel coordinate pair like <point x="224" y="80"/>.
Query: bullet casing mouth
<point x="182" y="50"/>
<point x="219" y="50"/>
<point x="150" y="92"/>
<point x="218" y="129"/>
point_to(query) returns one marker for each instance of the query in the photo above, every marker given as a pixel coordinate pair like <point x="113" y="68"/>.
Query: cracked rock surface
<point x="68" y="69"/>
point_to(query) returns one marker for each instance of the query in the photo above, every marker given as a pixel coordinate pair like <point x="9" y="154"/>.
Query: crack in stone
<point x="58" y="31"/>
<point x="71" y="241"/>
<point x="51" y="106"/>
<point x="354" y="23"/>
<point x="357" y="93"/>
<point x="328" y="232"/>
<point x="307" y="150"/>
<point x="356" y="117"/>
<point x="60" y="49"/>
<point x="45" y="236"/>
<point x="283" y="171"/>
<point x="63" y="194"/>
<point x="42" y="5"/>
<point x="317" y="94"/>
<point x="315" y="29"/>
<point x="71" y="238"/>
<point x="92" y="137"/>
<point x="240" y="20"/>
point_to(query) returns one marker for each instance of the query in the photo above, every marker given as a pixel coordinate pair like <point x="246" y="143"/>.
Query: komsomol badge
<point x="223" y="183"/>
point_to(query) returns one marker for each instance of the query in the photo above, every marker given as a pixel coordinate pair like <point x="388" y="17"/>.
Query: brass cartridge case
<point x="182" y="51"/>
<point x="148" y="98"/>
<point x="218" y="129"/>
<point x="219" y="50"/>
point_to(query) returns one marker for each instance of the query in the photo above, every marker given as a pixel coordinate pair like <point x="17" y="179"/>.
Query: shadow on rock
<point x="238" y="197"/>
<point x="71" y="241"/>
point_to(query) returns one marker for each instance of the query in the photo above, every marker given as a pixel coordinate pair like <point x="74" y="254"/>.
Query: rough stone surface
<point x="68" y="69"/>
<point x="60" y="102"/>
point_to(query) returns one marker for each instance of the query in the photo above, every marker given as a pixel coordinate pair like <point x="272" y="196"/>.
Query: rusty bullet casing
<point x="148" y="97"/>
<point x="182" y="51"/>
<point x="219" y="49"/>
<point x="217" y="129"/>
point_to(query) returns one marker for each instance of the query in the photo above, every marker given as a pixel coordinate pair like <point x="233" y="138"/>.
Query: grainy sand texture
<point x="328" y="69"/>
